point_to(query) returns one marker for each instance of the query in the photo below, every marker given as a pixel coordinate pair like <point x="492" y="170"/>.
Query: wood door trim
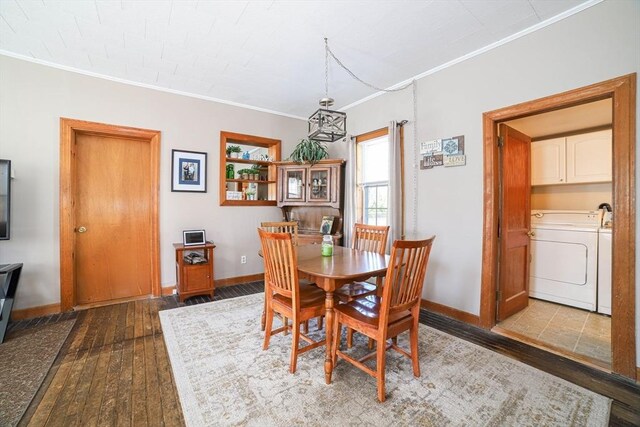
<point x="623" y="92"/>
<point x="68" y="130"/>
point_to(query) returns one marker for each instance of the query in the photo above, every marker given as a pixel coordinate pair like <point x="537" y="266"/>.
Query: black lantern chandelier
<point x="327" y="125"/>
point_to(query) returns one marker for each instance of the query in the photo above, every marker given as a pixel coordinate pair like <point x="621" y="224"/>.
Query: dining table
<point x="330" y="273"/>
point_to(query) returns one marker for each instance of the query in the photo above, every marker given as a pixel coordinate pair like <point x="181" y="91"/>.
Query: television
<point x="5" y="198"/>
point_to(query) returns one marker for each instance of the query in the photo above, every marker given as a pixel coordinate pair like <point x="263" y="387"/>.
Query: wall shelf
<point x="265" y="189"/>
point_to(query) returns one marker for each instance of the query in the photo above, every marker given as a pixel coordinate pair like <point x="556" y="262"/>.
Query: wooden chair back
<point x="290" y="227"/>
<point x="371" y="238"/>
<point x="405" y="276"/>
<point x="280" y="263"/>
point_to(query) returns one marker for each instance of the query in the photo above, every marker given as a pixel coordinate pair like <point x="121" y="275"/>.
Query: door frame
<point x="622" y="91"/>
<point x="69" y="128"/>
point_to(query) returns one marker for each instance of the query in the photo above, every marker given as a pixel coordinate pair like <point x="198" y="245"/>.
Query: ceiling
<point x="263" y="54"/>
<point x="580" y="117"/>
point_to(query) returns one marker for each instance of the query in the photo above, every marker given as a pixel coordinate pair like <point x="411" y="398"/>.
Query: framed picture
<point x="326" y="225"/>
<point x="188" y="171"/>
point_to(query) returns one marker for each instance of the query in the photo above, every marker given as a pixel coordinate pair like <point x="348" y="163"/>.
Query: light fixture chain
<point x="416" y="155"/>
<point x="326" y="68"/>
<point x="352" y="74"/>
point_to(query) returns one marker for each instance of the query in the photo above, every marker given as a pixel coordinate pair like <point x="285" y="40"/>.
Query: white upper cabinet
<point x="571" y="160"/>
<point x="548" y="162"/>
<point x="589" y="157"/>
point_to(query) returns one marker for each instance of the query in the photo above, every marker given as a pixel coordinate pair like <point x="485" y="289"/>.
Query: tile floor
<point x="568" y="328"/>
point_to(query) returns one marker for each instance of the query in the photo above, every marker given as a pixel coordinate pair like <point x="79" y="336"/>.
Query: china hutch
<point x="307" y="193"/>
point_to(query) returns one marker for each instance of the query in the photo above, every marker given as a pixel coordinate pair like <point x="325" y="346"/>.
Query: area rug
<point x="224" y="378"/>
<point x="25" y="358"/>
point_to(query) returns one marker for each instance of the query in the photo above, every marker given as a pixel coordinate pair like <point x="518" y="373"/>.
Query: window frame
<point x="378" y="133"/>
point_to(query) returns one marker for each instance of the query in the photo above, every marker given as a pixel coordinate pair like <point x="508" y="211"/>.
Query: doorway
<point x="109" y="245"/>
<point x="622" y="93"/>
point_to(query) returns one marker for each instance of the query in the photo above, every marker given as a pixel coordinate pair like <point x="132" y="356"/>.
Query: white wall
<point x="32" y="100"/>
<point x="597" y="44"/>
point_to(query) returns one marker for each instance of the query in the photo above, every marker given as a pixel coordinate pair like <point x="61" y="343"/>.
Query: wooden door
<point x="515" y="222"/>
<point x="113" y="254"/>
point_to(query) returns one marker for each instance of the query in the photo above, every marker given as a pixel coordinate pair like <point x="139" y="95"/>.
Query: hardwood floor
<point x="113" y="368"/>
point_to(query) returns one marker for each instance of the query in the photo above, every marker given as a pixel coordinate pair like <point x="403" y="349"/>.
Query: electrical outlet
<point x="175" y="292"/>
<point x="243" y="259"/>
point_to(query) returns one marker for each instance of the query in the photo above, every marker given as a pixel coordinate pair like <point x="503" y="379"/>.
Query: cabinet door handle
<point x="531" y="233"/>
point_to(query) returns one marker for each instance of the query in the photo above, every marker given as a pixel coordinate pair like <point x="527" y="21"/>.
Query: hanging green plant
<point x="309" y="150"/>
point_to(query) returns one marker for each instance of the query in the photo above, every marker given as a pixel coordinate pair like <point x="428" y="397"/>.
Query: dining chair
<point x="398" y="310"/>
<point x="287" y="296"/>
<point x="371" y="238"/>
<point x="279" y="227"/>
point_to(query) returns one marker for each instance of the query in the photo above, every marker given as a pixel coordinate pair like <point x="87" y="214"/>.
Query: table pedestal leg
<point x="328" y="361"/>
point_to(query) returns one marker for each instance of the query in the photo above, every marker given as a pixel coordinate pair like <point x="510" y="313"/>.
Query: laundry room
<point x="570" y="236"/>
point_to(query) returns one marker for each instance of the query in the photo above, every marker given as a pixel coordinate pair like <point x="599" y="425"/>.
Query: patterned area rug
<point x="25" y="358"/>
<point x="224" y="378"/>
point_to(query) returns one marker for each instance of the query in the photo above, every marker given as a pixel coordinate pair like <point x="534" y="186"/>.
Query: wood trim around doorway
<point x="69" y="128"/>
<point x="622" y="90"/>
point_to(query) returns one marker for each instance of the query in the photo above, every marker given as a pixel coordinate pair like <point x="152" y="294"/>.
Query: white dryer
<point x="564" y="257"/>
<point x="604" y="270"/>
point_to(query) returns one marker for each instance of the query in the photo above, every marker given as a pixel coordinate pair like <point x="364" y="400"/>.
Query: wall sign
<point x="447" y="152"/>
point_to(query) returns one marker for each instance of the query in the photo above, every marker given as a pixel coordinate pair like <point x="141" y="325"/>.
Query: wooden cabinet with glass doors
<point x="247" y="169"/>
<point x="309" y="193"/>
<point x="303" y="184"/>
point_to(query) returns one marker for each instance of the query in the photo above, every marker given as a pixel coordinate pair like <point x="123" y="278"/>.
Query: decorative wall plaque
<point x="446" y="152"/>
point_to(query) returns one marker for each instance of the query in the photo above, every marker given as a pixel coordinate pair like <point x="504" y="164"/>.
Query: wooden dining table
<point x="330" y="273"/>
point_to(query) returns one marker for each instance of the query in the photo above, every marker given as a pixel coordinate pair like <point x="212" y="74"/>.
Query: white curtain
<point x="349" y="190"/>
<point x="395" y="185"/>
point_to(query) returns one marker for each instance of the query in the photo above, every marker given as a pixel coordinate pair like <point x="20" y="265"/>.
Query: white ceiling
<point x="264" y="54"/>
<point x="585" y="116"/>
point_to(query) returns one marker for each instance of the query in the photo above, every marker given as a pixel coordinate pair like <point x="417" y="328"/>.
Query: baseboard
<point x="221" y="283"/>
<point x="31" y="312"/>
<point x="230" y="281"/>
<point x="168" y="290"/>
<point x="454" y="313"/>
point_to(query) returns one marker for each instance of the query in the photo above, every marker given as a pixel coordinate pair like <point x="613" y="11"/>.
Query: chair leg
<point x="381" y="368"/>
<point x="413" y="337"/>
<point x="305" y="327"/>
<point x="285" y="323"/>
<point x="320" y="322"/>
<point x="267" y="329"/>
<point x="370" y="343"/>
<point x="263" y="319"/>
<point x="335" y="345"/>
<point x="295" y="338"/>
<point x="349" y="337"/>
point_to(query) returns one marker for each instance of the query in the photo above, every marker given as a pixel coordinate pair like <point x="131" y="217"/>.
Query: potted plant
<point x="243" y="173"/>
<point x="234" y="151"/>
<point x="251" y="194"/>
<point x="309" y="150"/>
<point x="255" y="172"/>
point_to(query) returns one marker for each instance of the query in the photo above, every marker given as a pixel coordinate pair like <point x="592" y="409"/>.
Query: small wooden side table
<point x="194" y="279"/>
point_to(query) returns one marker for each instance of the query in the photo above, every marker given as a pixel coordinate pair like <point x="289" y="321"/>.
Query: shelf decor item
<point x="234" y="151"/>
<point x="188" y="171"/>
<point x="309" y="150"/>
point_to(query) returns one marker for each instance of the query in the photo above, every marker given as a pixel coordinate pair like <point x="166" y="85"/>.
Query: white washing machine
<point x="604" y="271"/>
<point x="564" y="257"/>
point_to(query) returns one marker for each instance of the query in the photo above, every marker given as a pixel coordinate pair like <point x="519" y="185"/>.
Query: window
<point x="373" y="178"/>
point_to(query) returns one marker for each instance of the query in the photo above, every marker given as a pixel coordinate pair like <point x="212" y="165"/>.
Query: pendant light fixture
<point x="327" y="125"/>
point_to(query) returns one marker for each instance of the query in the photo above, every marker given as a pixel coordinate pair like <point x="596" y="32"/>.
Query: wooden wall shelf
<point x="265" y="188"/>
